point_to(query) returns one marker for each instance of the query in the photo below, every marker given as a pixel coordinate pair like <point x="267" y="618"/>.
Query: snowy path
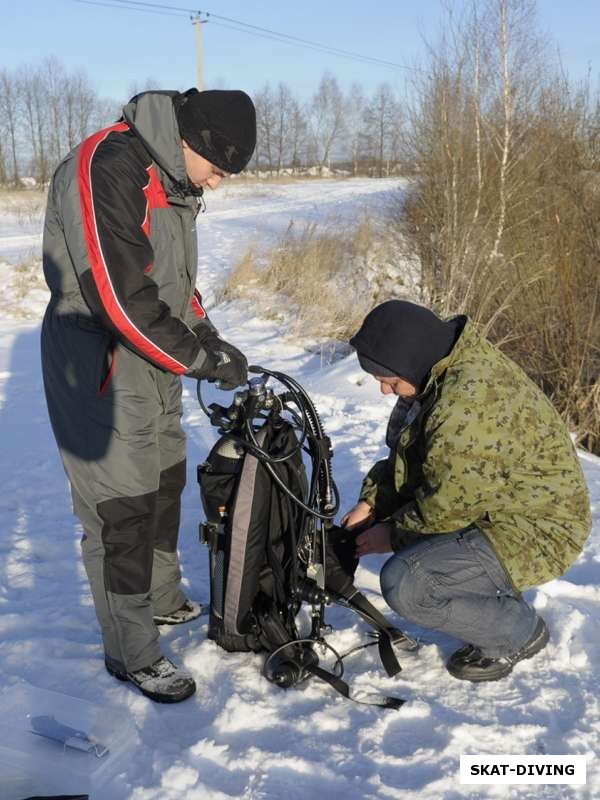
<point x="240" y="737"/>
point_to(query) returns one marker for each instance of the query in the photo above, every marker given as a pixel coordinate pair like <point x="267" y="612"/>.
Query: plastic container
<point x="51" y="743"/>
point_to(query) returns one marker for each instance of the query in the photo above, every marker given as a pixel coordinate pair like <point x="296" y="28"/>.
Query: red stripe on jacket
<point x="156" y="197"/>
<point x="100" y="272"/>
<point x="197" y="307"/>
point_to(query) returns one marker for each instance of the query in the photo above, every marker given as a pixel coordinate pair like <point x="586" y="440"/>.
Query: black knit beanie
<point x="404" y="339"/>
<point x="219" y="125"/>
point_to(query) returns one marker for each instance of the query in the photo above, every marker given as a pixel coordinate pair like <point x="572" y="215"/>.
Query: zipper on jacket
<point x="187" y="294"/>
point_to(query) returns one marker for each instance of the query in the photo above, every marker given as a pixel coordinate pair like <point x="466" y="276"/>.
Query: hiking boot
<point x="470" y="664"/>
<point x="162" y="681"/>
<point x="187" y="612"/>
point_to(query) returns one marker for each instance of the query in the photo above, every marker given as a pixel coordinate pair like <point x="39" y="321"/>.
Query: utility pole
<point x="198" y="23"/>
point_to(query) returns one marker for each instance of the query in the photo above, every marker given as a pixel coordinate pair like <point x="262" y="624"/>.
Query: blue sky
<point x="119" y="47"/>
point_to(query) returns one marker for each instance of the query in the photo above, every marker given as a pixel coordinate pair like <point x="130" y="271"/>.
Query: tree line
<point x="361" y="133"/>
<point x="45" y="110"/>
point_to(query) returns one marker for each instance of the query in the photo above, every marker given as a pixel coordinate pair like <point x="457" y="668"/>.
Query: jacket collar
<point x="467" y="338"/>
<point x="151" y="116"/>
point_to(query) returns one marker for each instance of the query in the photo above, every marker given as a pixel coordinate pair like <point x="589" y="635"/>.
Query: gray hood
<point x="152" y="117"/>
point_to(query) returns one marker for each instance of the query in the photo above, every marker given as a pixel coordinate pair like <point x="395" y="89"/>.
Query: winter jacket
<point x="486" y="448"/>
<point x="120" y="250"/>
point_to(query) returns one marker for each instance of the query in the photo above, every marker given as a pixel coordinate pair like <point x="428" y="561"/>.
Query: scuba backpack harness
<point x="271" y="538"/>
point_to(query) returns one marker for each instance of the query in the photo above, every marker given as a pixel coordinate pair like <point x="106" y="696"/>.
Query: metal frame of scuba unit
<point x="272" y="542"/>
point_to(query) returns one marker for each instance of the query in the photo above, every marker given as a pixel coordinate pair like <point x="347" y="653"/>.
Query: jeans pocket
<point x="486" y="555"/>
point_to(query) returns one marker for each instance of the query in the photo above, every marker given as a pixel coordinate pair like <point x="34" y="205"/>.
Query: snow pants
<point x="117" y="422"/>
<point x="454" y="582"/>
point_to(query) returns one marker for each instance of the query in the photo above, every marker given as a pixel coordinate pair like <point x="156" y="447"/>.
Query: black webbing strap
<point x="386" y="653"/>
<point x="342" y="687"/>
<point x="359" y="603"/>
<point x="387" y="635"/>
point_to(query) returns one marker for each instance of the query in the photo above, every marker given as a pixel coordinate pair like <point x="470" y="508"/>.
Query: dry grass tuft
<point x="27" y="276"/>
<point x="25" y="291"/>
<point x="27" y="205"/>
<point x="317" y="279"/>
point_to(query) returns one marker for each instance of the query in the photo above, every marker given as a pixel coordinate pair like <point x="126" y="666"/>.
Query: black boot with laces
<point x="470" y="664"/>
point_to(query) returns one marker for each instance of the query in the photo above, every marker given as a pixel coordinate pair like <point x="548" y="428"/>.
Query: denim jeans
<point x="453" y="582"/>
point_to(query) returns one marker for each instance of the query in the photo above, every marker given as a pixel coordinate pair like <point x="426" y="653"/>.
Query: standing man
<point x="124" y="322"/>
<point x="482" y="494"/>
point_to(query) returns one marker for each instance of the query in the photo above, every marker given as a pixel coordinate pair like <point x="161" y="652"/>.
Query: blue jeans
<point x="453" y="582"/>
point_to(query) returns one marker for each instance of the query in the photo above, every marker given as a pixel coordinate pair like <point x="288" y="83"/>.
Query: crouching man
<point x="482" y="494"/>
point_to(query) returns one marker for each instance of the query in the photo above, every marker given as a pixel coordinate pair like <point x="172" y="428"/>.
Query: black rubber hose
<point x="309" y="416"/>
<point x="324" y="472"/>
<point x="326" y="516"/>
<point x="253" y="446"/>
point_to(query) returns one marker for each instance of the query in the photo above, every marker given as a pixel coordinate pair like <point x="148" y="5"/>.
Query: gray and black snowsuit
<point x="120" y="259"/>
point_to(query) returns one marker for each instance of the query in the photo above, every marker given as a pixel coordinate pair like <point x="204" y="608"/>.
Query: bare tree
<point x="355" y="125"/>
<point x="518" y="70"/>
<point x="469" y="135"/>
<point x="9" y="110"/>
<point x="284" y="108"/>
<point x="41" y="125"/>
<point x="105" y="112"/>
<point x="25" y="84"/>
<point x="298" y="133"/>
<point x="3" y="174"/>
<point x="396" y="141"/>
<point x="53" y="79"/>
<point x="381" y="120"/>
<point x="266" y="126"/>
<point x="327" y="119"/>
<point x="275" y="129"/>
<point x="86" y="103"/>
<point x="70" y="99"/>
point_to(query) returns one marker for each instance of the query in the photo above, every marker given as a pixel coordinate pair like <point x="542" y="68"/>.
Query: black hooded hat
<point x="404" y="340"/>
<point x="219" y="125"/>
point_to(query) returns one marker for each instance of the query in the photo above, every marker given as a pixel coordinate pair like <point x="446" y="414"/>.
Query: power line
<point x="316" y="47"/>
<point x="246" y="27"/>
<point x="129" y="8"/>
<point x="287" y="36"/>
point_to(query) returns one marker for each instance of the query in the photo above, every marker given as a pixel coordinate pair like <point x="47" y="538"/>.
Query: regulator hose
<point x="326" y="484"/>
<point x="310" y="429"/>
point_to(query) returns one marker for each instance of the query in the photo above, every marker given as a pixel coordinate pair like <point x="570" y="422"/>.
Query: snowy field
<point x="239" y="736"/>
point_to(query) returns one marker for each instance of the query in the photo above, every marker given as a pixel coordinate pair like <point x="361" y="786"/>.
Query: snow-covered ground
<point x="239" y="736"/>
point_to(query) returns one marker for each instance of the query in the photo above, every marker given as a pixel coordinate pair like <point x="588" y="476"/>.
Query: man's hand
<point x="376" y="539"/>
<point x="361" y="514"/>
<point x="224" y="363"/>
<point x="232" y="368"/>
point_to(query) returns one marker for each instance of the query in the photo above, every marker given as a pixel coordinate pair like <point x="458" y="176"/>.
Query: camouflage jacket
<point x="487" y="448"/>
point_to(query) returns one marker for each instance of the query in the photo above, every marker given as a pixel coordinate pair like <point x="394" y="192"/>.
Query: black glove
<point x="232" y="368"/>
<point x="224" y="363"/>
